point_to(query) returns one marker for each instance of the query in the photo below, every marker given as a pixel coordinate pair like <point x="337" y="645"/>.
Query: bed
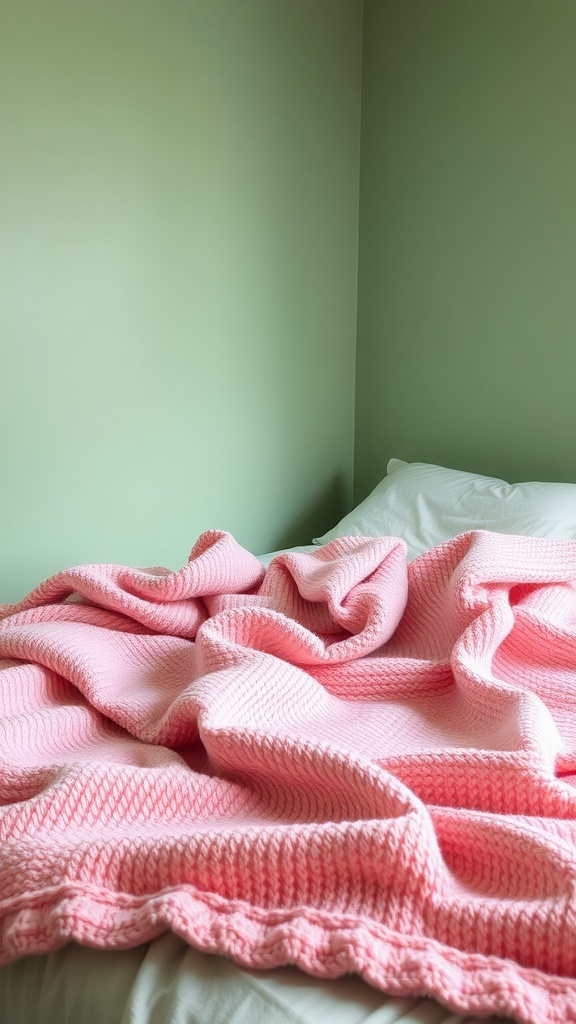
<point x="49" y="977"/>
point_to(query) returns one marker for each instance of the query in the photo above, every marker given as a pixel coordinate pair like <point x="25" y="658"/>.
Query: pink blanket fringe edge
<point x="322" y="945"/>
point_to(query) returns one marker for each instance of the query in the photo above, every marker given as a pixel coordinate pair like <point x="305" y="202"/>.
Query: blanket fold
<point x="343" y="761"/>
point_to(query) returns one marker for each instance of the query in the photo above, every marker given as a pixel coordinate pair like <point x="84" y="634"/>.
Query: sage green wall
<point x="467" y="279"/>
<point x="179" y="253"/>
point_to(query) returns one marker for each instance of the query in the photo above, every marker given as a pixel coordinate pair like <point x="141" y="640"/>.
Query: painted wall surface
<point x="178" y="232"/>
<point x="467" y="296"/>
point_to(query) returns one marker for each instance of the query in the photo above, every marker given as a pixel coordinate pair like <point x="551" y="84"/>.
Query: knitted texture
<point x="342" y="762"/>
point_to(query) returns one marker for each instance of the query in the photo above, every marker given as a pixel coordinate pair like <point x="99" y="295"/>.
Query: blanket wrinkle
<point x="343" y="761"/>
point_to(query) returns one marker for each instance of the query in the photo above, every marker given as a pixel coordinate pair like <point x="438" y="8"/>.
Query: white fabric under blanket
<point x="167" y="982"/>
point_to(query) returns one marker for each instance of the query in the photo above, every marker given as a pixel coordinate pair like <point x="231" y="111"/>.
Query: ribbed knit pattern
<point x="342" y="762"/>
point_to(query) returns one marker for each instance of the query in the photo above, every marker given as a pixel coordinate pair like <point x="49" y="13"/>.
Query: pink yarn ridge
<point x="343" y="762"/>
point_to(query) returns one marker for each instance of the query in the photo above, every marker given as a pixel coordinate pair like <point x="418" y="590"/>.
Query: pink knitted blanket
<point x="342" y="762"/>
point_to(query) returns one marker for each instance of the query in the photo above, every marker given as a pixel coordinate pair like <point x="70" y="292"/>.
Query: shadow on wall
<point x="321" y="515"/>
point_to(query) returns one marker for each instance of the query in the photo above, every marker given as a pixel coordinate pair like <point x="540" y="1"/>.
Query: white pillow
<point x="426" y="505"/>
